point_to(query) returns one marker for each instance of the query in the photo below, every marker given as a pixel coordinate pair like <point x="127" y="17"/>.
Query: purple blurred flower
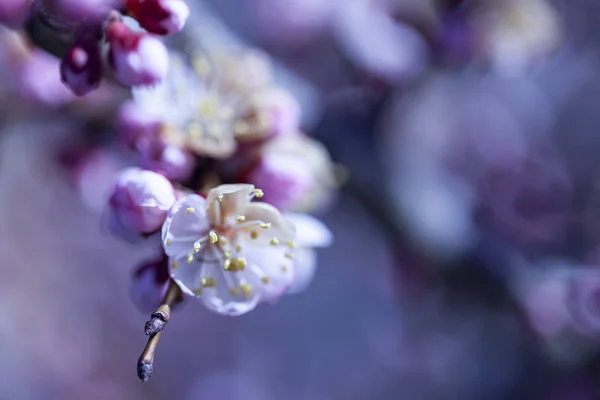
<point x="13" y="13"/>
<point x="149" y="285"/>
<point x="39" y="80"/>
<point x="134" y="124"/>
<point x="227" y="251"/>
<point x="81" y="68"/>
<point x="140" y="199"/>
<point x="137" y="58"/>
<point x="77" y="13"/>
<point x="584" y="301"/>
<point x="171" y="160"/>
<point x="162" y="17"/>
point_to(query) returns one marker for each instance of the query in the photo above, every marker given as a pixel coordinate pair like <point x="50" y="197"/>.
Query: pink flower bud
<point x="140" y="199"/>
<point x="149" y="285"/>
<point x="284" y="180"/>
<point x="136" y="57"/>
<point x="163" y="17"/>
<point x="13" y="13"/>
<point x="157" y="155"/>
<point x="81" y="68"/>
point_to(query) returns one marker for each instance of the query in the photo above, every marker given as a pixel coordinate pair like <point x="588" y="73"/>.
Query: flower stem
<point x="153" y="328"/>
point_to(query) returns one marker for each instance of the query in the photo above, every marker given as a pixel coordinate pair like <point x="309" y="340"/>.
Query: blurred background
<point x="466" y="257"/>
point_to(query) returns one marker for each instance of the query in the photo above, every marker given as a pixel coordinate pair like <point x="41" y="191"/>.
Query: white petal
<point x="279" y="229"/>
<point x="186" y="275"/>
<point x="235" y="197"/>
<point x="272" y="270"/>
<point x="310" y="232"/>
<point x="187" y="222"/>
<point x="305" y="264"/>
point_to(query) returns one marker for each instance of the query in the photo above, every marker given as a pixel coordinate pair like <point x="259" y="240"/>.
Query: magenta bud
<point x="140" y="199"/>
<point x="149" y="284"/>
<point x="81" y="68"/>
<point x="137" y="58"/>
<point x="162" y="17"/>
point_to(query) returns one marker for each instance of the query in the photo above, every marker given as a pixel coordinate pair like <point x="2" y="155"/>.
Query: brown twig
<point x="154" y="328"/>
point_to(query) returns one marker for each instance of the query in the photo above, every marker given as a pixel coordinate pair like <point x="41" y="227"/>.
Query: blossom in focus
<point x="310" y="235"/>
<point x="296" y="173"/>
<point x="140" y="199"/>
<point x="81" y="68"/>
<point x="137" y="58"/>
<point x="227" y="251"/>
<point x="162" y="17"/>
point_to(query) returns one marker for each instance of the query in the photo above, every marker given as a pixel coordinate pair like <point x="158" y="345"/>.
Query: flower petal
<point x="310" y="232"/>
<point x="279" y="229"/>
<point x="186" y="222"/>
<point x="305" y="266"/>
<point x="270" y="267"/>
<point x="234" y="199"/>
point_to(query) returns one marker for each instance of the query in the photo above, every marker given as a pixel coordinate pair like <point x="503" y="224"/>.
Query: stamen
<point x="258" y="193"/>
<point x="240" y="218"/>
<point x="174" y="265"/>
<point x="254" y="235"/>
<point x="265" y="225"/>
<point x="197" y="291"/>
<point x="190" y="258"/>
<point x="290" y="256"/>
<point x="213" y="237"/>
<point x="274" y="242"/>
<point x="197" y="247"/>
<point x="291" y="245"/>
<point x="227" y="264"/>
<point x="189" y="210"/>
<point x="208" y="282"/>
<point x="222" y="240"/>
<point x="220" y="198"/>
<point x="246" y="289"/>
<point x="238" y="248"/>
<point x="168" y="241"/>
<point x="227" y="254"/>
<point x="266" y="279"/>
<point x="233" y="291"/>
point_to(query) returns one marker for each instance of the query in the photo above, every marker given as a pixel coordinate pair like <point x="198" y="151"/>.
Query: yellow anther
<point x="197" y="291"/>
<point x="254" y="235"/>
<point x="190" y="258"/>
<point x="246" y="289"/>
<point x="168" y="242"/>
<point x="258" y="193"/>
<point x="240" y="218"/>
<point x="274" y="242"/>
<point x="220" y="197"/>
<point x="242" y="263"/>
<point x="266" y="279"/>
<point x="291" y="245"/>
<point x="201" y="66"/>
<point x="189" y="210"/>
<point x="208" y="282"/>
<point x="288" y="255"/>
<point x="174" y="265"/>
<point x="238" y="248"/>
<point x="233" y="291"/>
<point x="228" y="254"/>
<point x="227" y="264"/>
<point x="197" y="247"/>
<point x="265" y="225"/>
<point x="222" y="240"/>
<point x="213" y="237"/>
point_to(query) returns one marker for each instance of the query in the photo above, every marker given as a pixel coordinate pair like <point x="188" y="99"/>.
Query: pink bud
<point x="149" y="285"/>
<point x="140" y="199"/>
<point x="163" y="17"/>
<point x="81" y="68"/>
<point x="284" y="180"/>
<point x="136" y="57"/>
<point x="157" y="155"/>
<point x="13" y="13"/>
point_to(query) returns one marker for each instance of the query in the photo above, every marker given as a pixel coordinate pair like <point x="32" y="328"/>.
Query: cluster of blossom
<point x="119" y="36"/>
<point x="395" y="41"/>
<point x="205" y="140"/>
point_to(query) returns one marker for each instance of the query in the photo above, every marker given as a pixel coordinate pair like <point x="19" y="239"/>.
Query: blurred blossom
<point x="156" y="155"/>
<point x="584" y="301"/>
<point x="140" y="199"/>
<point x="163" y="17"/>
<point x="13" y="13"/>
<point x="135" y="125"/>
<point x="149" y="285"/>
<point x="513" y="34"/>
<point x="81" y="68"/>
<point x="137" y="58"/>
<point x="242" y="70"/>
<point x="296" y="173"/>
<point x="39" y="80"/>
<point x="227" y="251"/>
<point x="310" y="234"/>
<point x="292" y="22"/>
<point x="377" y="42"/>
